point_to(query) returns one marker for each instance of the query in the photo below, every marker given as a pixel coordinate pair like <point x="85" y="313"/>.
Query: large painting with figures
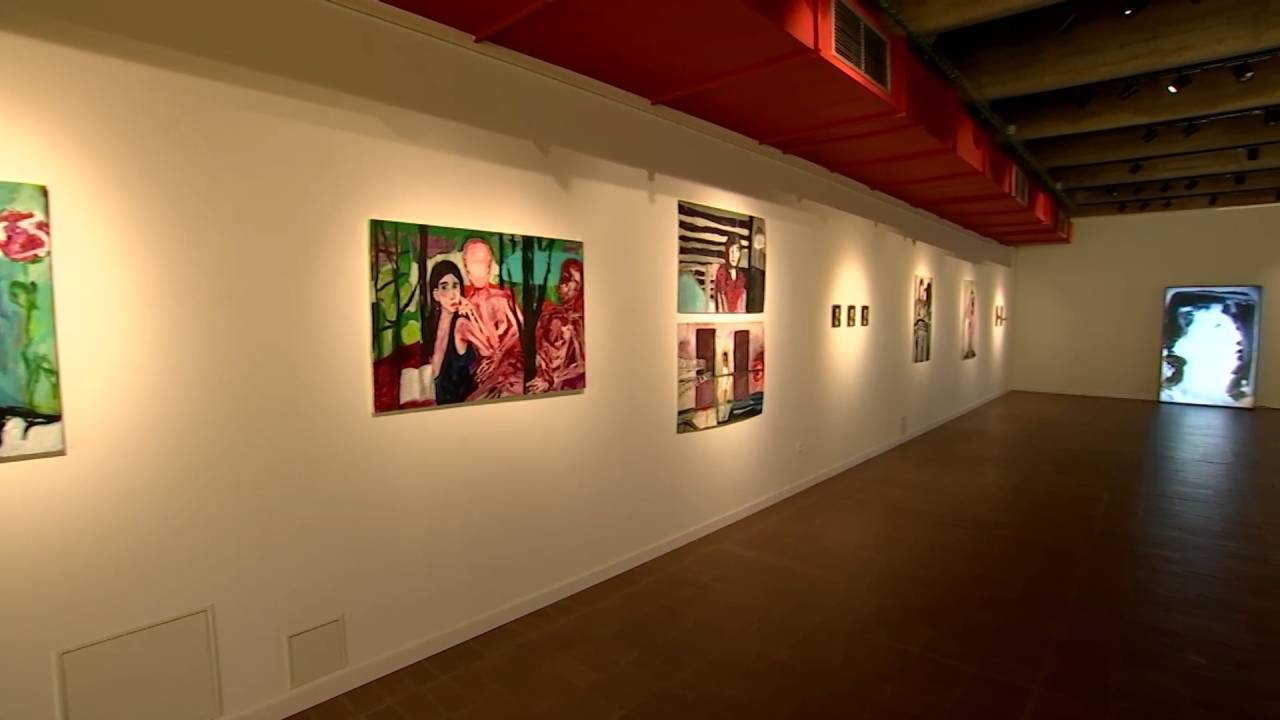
<point x="465" y="316"/>
<point x="30" y="400"/>
<point x="722" y="261"/>
<point x="720" y="374"/>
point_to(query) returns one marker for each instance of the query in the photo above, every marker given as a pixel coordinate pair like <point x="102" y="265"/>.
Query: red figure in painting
<point x="500" y="372"/>
<point x="731" y="281"/>
<point x="561" y="355"/>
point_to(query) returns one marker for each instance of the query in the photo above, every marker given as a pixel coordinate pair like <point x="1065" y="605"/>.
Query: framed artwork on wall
<point x="720" y="374"/>
<point x="851" y="316"/>
<point x="30" y="395"/>
<point x="968" y="320"/>
<point x="722" y="261"/>
<point x="866" y="315"/>
<point x="464" y="316"/>
<point x="835" y="315"/>
<point x="1209" y="354"/>
<point x="922" y="319"/>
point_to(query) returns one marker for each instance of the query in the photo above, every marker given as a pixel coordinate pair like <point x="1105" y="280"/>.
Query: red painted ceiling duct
<point x="821" y="79"/>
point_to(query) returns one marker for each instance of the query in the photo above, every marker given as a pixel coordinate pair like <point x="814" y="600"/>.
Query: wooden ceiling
<point x="1082" y="88"/>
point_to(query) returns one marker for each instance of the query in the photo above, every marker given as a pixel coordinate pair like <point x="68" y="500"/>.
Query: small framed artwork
<point x="851" y="317"/>
<point x="866" y="315"/>
<point x="836" y="312"/>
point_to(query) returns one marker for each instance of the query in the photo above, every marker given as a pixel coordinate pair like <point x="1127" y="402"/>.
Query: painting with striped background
<point x="722" y="261"/>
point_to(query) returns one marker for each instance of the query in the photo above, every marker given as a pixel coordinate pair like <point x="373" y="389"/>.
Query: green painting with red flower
<point x="30" y="401"/>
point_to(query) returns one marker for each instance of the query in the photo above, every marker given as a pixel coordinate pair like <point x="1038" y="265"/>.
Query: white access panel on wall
<point x="165" y="671"/>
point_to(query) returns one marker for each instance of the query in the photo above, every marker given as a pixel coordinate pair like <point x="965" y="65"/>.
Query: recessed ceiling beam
<point x="928" y="17"/>
<point x="1169" y="168"/>
<point x="1162" y="189"/>
<point x="1105" y="107"/>
<point x="1103" y="45"/>
<point x="1139" y="142"/>
<point x="1199" y="202"/>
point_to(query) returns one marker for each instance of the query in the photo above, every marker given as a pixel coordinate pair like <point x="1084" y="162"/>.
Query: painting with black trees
<point x="464" y="316"/>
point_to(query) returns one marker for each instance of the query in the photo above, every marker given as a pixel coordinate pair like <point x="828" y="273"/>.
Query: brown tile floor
<point x="1043" y="558"/>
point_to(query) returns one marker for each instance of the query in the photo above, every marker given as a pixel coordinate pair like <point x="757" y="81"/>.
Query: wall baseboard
<point x="354" y="676"/>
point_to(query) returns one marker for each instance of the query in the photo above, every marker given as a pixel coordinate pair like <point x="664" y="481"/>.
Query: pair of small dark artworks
<point x="850" y="314"/>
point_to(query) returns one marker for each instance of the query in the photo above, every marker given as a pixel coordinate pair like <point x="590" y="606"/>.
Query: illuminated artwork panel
<point x="1210" y="350"/>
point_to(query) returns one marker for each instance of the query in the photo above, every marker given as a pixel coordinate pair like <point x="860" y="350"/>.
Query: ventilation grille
<point x="859" y="45"/>
<point x="1021" y="189"/>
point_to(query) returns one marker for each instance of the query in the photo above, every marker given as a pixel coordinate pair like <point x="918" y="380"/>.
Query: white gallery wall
<point x="1088" y="315"/>
<point x="212" y="170"/>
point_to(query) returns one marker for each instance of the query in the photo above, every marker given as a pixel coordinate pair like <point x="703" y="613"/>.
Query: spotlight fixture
<point x="1129" y="9"/>
<point x="1271" y="117"/>
<point x="1178" y="84"/>
<point x="1190" y="129"/>
<point x="1253" y="154"/>
<point x="1244" y="72"/>
<point x="1192" y="184"/>
<point x="1213" y="200"/>
<point x="1113" y="192"/>
<point x="1150" y="135"/>
<point x="1135" y="168"/>
<point x="1129" y="90"/>
<point x="1239" y="178"/>
<point x="1166" y="188"/>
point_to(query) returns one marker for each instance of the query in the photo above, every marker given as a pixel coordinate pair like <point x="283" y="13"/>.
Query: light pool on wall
<point x="30" y="400"/>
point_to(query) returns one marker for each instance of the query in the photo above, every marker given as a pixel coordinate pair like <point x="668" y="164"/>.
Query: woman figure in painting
<point x="731" y="281"/>
<point x="454" y="330"/>
<point x="561" y="353"/>
<point x="724" y="388"/>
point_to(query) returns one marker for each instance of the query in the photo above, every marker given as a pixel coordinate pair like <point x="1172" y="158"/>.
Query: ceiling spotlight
<point x="1192" y="184"/>
<point x="1129" y="9"/>
<point x="1271" y="117"/>
<point x="1213" y="200"/>
<point x="1244" y="72"/>
<point x="1239" y="178"/>
<point x="1129" y="90"/>
<point x="1253" y="154"/>
<point x="1135" y="168"/>
<point x="1166" y="188"/>
<point x="1113" y="192"/>
<point x="1150" y="135"/>
<point x="1178" y="84"/>
<point x="1190" y="129"/>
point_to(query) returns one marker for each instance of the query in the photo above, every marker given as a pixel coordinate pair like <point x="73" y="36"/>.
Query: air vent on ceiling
<point x="860" y="45"/>
<point x="1021" y="189"/>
